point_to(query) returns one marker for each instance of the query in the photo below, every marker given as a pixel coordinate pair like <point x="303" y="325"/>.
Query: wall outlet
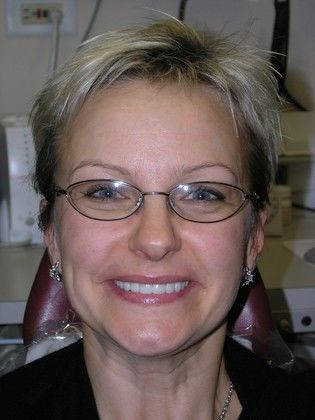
<point x="38" y="13"/>
<point x="32" y="17"/>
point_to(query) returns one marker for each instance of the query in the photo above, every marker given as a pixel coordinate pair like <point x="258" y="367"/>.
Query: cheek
<point x="220" y="253"/>
<point x="221" y="246"/>
<point x="88" y="250"/>
<point x="86" y="245"/>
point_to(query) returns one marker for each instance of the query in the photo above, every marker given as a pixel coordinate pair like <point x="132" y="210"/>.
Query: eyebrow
<point x="187" y="170"/>
<point x="102" y="165"/>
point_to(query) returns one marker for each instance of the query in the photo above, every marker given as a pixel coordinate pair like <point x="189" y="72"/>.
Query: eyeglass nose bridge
<point x="155" y="193"/>
<point x="148" y="193"/>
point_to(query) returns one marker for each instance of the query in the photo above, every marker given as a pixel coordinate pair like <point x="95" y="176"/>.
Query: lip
<point x="176" y="288"/>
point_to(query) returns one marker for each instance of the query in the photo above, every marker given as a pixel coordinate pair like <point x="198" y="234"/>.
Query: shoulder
<point x="266" y="392"/>
<point x="48" y="387"/>
<point x="41" y="369"/>
<point x="291" y="398"/>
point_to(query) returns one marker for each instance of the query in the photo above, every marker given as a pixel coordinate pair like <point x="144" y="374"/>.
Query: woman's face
<point x="154" y="138"/>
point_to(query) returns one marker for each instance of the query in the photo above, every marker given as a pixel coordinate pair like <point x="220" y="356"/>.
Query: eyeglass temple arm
<point x="60" y="191"/>
<point x="252" y="196"/>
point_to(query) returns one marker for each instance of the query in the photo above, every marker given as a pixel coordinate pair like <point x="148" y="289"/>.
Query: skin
<point x="154" y="138"/>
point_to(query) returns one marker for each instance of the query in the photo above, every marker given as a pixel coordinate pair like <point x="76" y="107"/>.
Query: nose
<point x="154" y="236"/>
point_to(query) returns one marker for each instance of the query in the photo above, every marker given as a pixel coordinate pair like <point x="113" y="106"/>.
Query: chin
<point x="151" y="342"/>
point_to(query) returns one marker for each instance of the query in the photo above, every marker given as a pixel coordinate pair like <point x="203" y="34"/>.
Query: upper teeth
<point x="148" y="289"/>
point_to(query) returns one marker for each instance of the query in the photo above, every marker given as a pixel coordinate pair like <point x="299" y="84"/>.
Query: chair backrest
<point x="47" y="307"/>
<point x="251" y="317"/>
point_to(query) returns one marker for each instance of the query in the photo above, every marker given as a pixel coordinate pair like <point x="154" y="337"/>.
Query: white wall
<point x="24" y="62"/>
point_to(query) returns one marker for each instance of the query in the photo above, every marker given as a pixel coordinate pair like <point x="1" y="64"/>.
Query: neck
<point x="192" y="383"/>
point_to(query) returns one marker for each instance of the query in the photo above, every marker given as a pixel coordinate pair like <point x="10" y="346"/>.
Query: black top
<point x="57" y="387"/>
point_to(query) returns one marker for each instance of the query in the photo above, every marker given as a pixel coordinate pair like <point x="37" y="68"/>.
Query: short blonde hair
<point x="163" y="52"/>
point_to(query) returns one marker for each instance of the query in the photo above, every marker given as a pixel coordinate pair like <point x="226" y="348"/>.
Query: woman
<point x="155" y="151"/>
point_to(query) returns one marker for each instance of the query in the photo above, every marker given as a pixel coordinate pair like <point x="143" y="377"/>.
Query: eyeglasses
<point x="202" y="202"/>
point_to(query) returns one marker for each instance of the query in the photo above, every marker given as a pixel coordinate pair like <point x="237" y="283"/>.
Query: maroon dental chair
<point x="47" y="305"/>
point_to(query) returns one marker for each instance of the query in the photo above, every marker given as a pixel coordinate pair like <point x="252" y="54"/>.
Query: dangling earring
<point x="54" y="272"/>
<point x="248" y="278"/>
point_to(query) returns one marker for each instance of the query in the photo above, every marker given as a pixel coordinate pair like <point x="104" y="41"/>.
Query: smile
<point x="152" y="289"/>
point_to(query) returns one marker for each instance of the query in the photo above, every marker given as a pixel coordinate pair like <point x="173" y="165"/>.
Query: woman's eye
<point x="103" y="193"/>
<point x="205" y="194"/>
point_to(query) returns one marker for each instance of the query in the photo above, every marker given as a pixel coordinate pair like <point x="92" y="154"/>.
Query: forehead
<point x="143" y="127"/>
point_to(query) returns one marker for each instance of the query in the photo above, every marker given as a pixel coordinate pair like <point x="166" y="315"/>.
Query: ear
<point x="51" y="243"/>
<point x="256" y="240"/>
<point x="50" y="239"/>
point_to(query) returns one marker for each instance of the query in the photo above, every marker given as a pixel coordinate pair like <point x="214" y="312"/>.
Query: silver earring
<point x="54" y="272"/>
<point x="248" y="278"/>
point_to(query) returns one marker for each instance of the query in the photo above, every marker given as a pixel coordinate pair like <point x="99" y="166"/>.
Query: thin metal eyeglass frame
<point x="66" y="192"/>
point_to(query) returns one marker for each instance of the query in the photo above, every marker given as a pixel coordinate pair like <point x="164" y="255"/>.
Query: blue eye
<point x="103" y="192"/>
<point x="205" y="194"/>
